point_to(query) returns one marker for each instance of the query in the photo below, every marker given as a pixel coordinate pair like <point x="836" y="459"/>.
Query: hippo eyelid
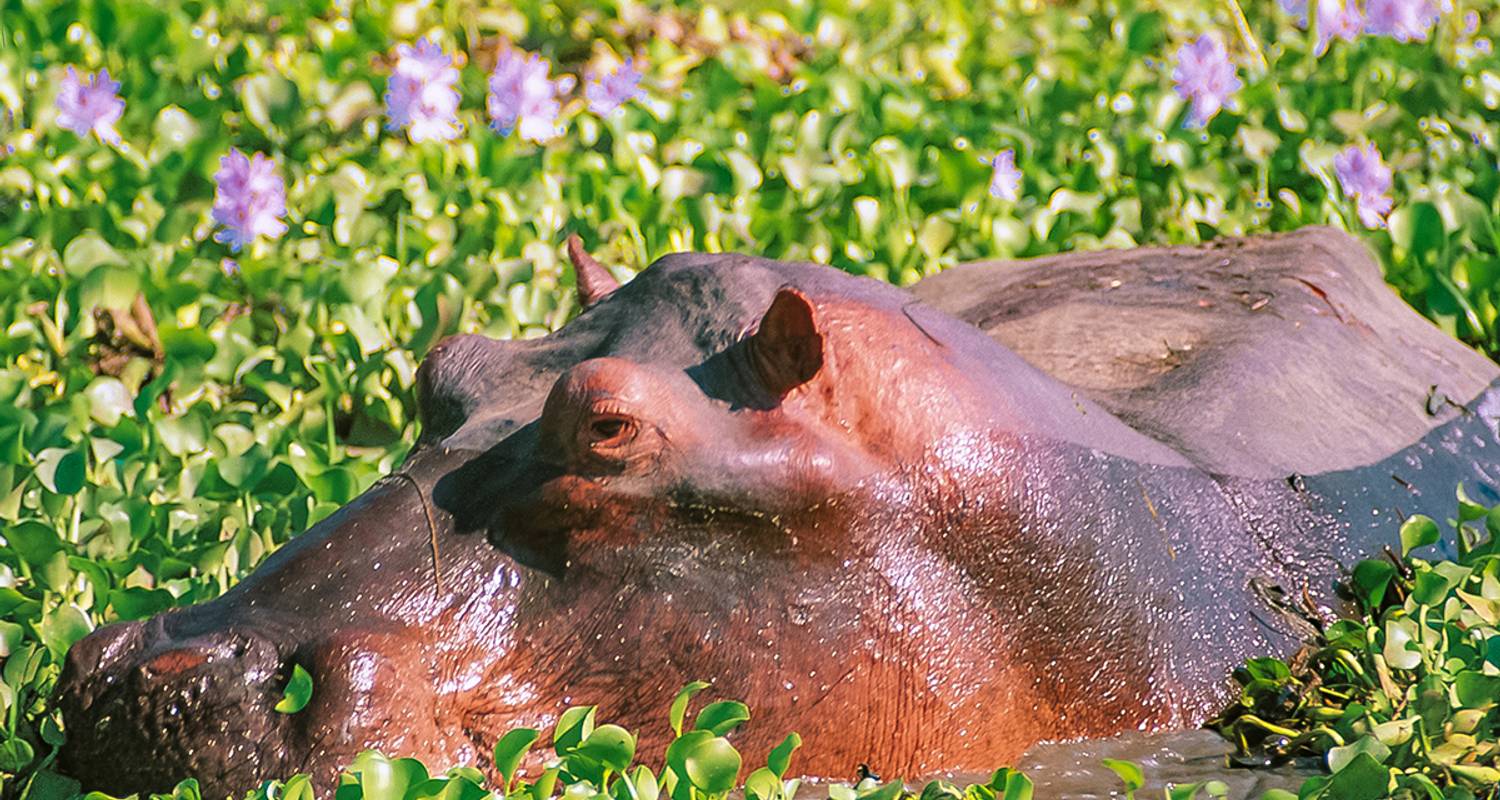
<point x="609" y="427"/>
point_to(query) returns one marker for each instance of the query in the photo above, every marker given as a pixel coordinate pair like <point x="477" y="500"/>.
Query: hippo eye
<point x="610" y="430"/>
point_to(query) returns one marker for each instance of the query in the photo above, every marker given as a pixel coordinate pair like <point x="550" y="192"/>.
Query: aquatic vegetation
<point x="599" y="761"/>
<point x="1402" y="699"/>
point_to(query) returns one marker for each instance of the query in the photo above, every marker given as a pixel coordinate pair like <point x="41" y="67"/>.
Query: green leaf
<point x="298" y="692"/>
<point x="110" y="287"/>
<point x="573" y="727"/>
<point x="88" y="250"/>
<point x="781" y="755"/>
<point x="1417" y="228"/>
<point x="712" y="765"/>
<point x="1401" y="650"/>
<point x="48" y="785"/>
<point x="763" y="784"/>
<point x="510" y="749"/>
<point x="139" y="603"/>
<point x="1130" y="773"/>
<point x="1431" y="588"/>
<point x="889" y="791"/>
<point x="680" y="703"/>
<point x="15" y="755"/>
<point x="546" y="785"/>
<point x="1418" y="531"/>
<point x="61" y="627"/>
<point x="722" y="717"/>
<point x="381" y="778"/>
<point x="643" y="781"/>
<point x="1010" y="784"/>
<point x="611" y="745"/>
<point x="1361" y="778"/>
<point x="1370" y="579"/>
<point x="61" y="471"/>
<point x="1339" y="757"/>
<point x="1475" y="689"/>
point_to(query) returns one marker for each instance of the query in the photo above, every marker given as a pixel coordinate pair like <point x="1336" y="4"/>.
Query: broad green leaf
<point x="781" y="755"/>
<point x="61" y="470"/>
<point x="573" y="727"/>
<point x="1130" y="773"/>
<point x="299" y="689"/>
<point x="15" y="755"/>
<point x="510" y="749"/>
<point x="611" y="745"/>
<point x="1370" y="579"/>
<point x="1361" y="778"/>
<point x="712" y="765"/>
<point x="1401" y="649"/>
<point x="722" y="717"/>
<point x="1339" y="757"/>
<point x="1418" y="531"/>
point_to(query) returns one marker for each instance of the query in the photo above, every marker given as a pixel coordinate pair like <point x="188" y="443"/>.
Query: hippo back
<point x="1259" y="357"/>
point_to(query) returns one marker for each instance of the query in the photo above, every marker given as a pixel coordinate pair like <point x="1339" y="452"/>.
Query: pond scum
<point x="229" y="230"/>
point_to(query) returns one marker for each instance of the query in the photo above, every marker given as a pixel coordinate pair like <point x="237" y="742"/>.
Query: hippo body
<point x="1067" y="507"/>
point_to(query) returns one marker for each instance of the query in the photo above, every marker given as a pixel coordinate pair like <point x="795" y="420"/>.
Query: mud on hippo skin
<point x="869" y="520"/>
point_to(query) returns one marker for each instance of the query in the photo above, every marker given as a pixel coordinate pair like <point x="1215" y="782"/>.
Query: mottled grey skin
<point x="876" y="523"/>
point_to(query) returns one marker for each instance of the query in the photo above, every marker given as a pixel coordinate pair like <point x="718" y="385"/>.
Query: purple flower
<point x="1366" y="179"/>
<point x="1206" y="76"/>
<point x="1402" y="20"/>
<point x="92" y="107"/>
<point x="523" y="97"/>
<point x="1295" y="7"/>
<point x="421" y="94"/>
<point x="608" y="92"/>
<point x="1337" y="19"/>
<point x="249" y="200"/>
<point x="1005" y="179"/>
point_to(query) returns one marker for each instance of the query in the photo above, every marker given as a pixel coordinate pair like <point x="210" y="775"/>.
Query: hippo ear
<point x="594" y="281"/>
<point x="786" y="348"/>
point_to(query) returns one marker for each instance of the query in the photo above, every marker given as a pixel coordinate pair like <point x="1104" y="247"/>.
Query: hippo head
<point x="801" y="485"/>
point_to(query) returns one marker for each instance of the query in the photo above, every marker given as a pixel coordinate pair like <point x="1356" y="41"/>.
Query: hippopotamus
<point x="926" y="528"/>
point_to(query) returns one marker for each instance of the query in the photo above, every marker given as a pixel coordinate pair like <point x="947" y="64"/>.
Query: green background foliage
<point x="164" y="424"/>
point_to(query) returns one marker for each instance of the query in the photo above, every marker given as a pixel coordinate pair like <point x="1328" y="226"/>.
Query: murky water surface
<point x="1073" y="770"/>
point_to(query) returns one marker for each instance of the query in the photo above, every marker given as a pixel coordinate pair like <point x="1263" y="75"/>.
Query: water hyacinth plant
<point x="171" y="410"/>
<point x="1403" y="700"/>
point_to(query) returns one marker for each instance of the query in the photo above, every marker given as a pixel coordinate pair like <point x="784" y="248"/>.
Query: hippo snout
<point x="147" y="704"/>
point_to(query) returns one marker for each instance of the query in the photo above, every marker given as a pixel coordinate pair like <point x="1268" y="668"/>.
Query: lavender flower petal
<point x="523" y="97"/>
<point x="1402" y="20"/>
<point x="1206" y="77"/>
<point x="1005" y="178"/>
<point x="92" y="107"/>
<point x="606" y="93"/>
<point x="249" y="199"/>
<point x="1365" y="178"/>
<point x="421" y="95"/>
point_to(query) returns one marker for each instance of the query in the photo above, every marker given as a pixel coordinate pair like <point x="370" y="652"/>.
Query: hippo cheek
<point x="375" y="689"/>
<point x="136" y="709"/>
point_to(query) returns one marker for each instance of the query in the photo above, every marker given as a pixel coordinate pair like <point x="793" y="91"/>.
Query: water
<point x="1073" y="770"/>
